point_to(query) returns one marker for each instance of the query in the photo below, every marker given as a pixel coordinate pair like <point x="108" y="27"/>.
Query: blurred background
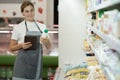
<point x="10" y="15"/>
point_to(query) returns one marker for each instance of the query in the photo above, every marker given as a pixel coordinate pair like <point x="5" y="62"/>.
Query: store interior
<point x="85" y="37"/>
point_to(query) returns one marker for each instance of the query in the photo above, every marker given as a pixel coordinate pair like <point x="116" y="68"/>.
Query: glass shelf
<point x="106" y="5"/>
<point x="106" y="69"/>
<point x="110" y="40"/>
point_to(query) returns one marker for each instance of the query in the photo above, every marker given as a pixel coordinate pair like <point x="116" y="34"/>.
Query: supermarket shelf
<point x="6" y="29"/>
<point x="109" y="73"/>
<point x="105" y="69"/>
<point x="107" y="5"/>
<point x="52" y="31"/>
<point x="95" y="52"/>
<point x="9" y="30"/>
<point x="110" y="40"/>
<point x="5" y="32"/>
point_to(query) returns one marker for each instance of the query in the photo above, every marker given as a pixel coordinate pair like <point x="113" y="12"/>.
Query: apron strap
<point x="35" y="24"/>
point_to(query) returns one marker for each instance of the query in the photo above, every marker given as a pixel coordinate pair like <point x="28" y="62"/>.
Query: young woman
<point x="25" y="67"/>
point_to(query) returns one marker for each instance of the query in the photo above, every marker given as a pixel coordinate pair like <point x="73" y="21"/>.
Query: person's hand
<point x="44" y="40"/>
<point x="26" y="45"/>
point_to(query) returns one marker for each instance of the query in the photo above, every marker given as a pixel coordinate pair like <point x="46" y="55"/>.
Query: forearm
<point x="16" y="47"/>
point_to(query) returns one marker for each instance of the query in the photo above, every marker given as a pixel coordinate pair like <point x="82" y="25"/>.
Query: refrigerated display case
<point x="6" y="27"/>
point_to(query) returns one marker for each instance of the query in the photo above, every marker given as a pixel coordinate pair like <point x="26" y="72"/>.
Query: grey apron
<point x="28" y="64"/>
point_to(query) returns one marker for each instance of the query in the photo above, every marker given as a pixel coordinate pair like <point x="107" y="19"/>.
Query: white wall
<point x="15" y="7"/>
<point x="46" y="16"/>
<point x="9" y="8"/>
<point x="72" y="31"/>
<point x="43" y="5"/>
<point x="50" y="13"/>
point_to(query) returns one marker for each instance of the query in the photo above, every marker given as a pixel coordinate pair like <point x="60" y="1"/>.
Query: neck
<point x="30" y="20"/>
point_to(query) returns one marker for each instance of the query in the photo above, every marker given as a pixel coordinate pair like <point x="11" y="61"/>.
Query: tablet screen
<point x="33" y="40"/>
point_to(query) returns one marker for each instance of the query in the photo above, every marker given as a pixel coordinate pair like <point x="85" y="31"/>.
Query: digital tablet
<point x="33" y="40"/>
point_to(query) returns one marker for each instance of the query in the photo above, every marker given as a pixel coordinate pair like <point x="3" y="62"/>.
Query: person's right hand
<point x="26" y="45"/>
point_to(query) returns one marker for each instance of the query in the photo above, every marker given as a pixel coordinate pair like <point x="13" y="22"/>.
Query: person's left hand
<point x="44" y="40"/>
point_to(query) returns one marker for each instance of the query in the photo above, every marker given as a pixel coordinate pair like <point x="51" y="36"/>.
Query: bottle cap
<point x="46" y="30"/>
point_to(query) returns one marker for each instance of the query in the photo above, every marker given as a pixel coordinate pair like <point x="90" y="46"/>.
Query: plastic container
<point x="44" y="34"/>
